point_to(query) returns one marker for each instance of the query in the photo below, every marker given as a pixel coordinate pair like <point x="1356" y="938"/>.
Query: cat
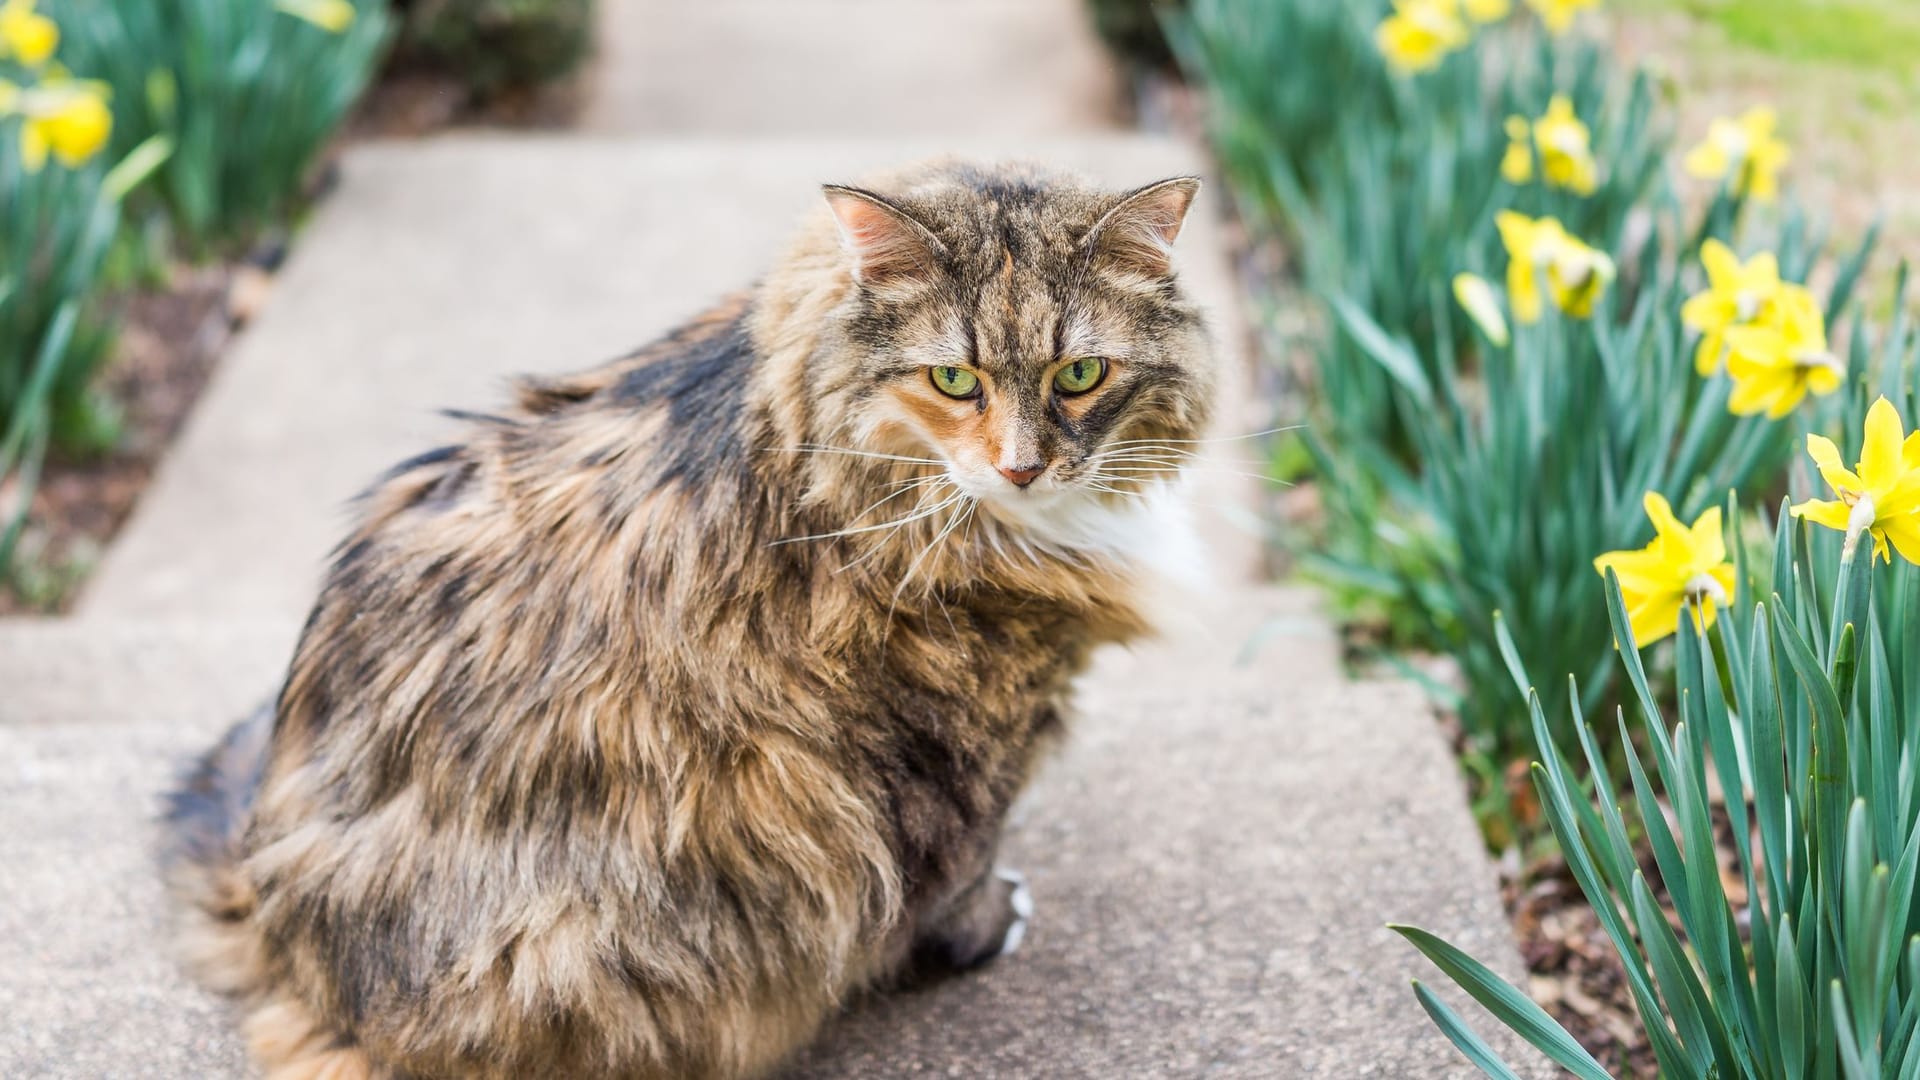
<point x="636" y="732"/>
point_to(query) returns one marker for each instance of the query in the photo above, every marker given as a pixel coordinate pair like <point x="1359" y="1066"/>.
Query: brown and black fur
<point x="586" y="766"/>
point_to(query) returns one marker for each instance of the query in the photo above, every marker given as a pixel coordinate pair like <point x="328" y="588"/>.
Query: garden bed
<point x="1549" y="310"/>
<point x="171" y="333"/>
<point x="170" y="340"/>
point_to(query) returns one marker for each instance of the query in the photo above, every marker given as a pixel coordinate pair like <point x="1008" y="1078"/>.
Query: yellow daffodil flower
<point x="1737" y="294"/>
<point x="1564" y="144"/>
<point x="1683" y="564"/>
<point x="1882" y="497"/>
<point x="1420" y="33"/>
<point x="65" y="118"/>
<point x="1558" y="14"/>
<point x="27" y="35"/>
<point x="1744" y="152"/>
<point x="1776" y="362"/>
<point x="1478" y="300"/>
<point x="1575" y="274"/>
<point x="1486" y="11"/>
<point x="333" y="16"/>
<point x="1516" y="167"/>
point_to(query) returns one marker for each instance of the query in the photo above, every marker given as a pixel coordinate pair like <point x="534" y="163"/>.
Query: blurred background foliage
<point x="495" y="46"/>
<point x="188" y="132"/>
<point x="249" y="93"/>
<point x="1133" y="29"/>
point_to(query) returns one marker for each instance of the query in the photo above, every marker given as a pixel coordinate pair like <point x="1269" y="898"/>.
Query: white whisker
<point x="913" y="515"/>
<point x="1197" y="442"/>
<point x="1138" y="472"/>
<point x="850" y="452"/>
<point x="953" y="520"/>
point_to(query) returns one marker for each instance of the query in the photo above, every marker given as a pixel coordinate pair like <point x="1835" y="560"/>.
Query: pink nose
<point x="1021" y="477"/>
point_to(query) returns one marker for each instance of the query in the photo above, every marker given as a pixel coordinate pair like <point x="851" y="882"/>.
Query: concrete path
<point x="1214" y="856"/>
<point x="897" y="68"/>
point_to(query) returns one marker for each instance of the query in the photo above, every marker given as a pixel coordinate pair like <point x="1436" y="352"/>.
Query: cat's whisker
<point x="1219" y="439"/>
<point x="879" y="544"/>
<point x="903" y="487"/>
<point x="963" y="512"/>
<point x="1136" y="472"/>
<point x="808" y="448"/>
<point x="953" y="519"/>
<point x="920" y="512"/>
<point x="1170" y="456"/>
<point x="911" y="480"/>
<point x="912" y="516"/>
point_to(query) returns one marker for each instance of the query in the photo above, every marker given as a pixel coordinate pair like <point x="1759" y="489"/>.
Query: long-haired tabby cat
<point x="636" y="731"/>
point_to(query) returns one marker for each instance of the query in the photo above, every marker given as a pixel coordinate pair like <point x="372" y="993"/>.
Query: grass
<point x="1879" y="34"/>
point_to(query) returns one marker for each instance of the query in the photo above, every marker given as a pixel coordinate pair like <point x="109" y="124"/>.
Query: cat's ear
<point x="886" y="244"/>
<point x="1137" y="235"/>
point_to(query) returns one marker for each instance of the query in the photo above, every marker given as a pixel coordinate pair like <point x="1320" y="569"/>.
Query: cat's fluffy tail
<point x="203" y="822"/>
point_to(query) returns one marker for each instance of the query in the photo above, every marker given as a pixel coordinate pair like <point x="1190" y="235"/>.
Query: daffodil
<point x="1486" y="11"/>
<point x="333" y="16"/>
<point x="1558" y="14"/>
<point x="1881" y="497"/>
<point x="1478" y="300"/>
<point x="1684" y="564"/>
<point x="1541" y="250"/>
<point x="1744" y="152"/>
<point x="1516" y="167"/>
<point x="1420" y="33"/>
<point x="1737" y="294"/>
<point x="1564" y="144"/>
<point x="63" y="117"/>
<point x="1775" y="363"/>
<point x="25" y="34"/>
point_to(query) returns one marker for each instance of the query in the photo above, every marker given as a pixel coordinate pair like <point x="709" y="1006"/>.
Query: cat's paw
<point x="1020" y="903"/>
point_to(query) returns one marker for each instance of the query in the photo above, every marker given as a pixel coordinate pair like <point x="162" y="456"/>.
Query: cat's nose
<point x="1023" y="475"/>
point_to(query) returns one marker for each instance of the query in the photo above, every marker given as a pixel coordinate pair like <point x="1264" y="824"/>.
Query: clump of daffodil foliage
<point x="249" y="92"/>
<point x="59" y="209"/>
<point x="1798" y="694"/>
<point x="1502" y="371"/>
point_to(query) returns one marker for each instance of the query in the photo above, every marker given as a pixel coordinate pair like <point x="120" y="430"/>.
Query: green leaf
<point x="1391" y="355"/>
<point x="1456" y="1030"/>
<point x="134" y="169"/>
<point x="1507" y="1004"/>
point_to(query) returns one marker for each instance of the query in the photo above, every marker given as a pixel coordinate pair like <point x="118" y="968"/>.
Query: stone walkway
<point x="1213" y="858"/>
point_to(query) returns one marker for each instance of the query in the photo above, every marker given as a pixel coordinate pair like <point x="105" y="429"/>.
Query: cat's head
<point x="1024" y="331"/>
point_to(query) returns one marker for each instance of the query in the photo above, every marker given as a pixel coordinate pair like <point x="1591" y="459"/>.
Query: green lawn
<point x="1882" y="34"/>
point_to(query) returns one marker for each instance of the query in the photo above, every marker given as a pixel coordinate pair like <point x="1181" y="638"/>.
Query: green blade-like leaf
<point x="1508" y="1005"/>
<point x="1462" y="1037"/>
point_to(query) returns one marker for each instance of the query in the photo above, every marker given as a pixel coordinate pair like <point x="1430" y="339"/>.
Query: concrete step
<point x="1214" y="856"/>
<point x="838" y="67"/>
<point x="439" y="268"/>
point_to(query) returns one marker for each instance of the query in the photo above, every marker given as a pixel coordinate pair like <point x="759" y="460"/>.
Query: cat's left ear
<point x="887" y="245"/>
<point x="1138" y="233"/>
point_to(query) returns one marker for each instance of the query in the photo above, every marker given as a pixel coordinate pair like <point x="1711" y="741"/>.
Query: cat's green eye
<point x="955" y="382"/>
<point x="1080" y="375"/>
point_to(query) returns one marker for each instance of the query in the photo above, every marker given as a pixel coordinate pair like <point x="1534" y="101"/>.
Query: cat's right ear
<point x="886" y="244"/>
